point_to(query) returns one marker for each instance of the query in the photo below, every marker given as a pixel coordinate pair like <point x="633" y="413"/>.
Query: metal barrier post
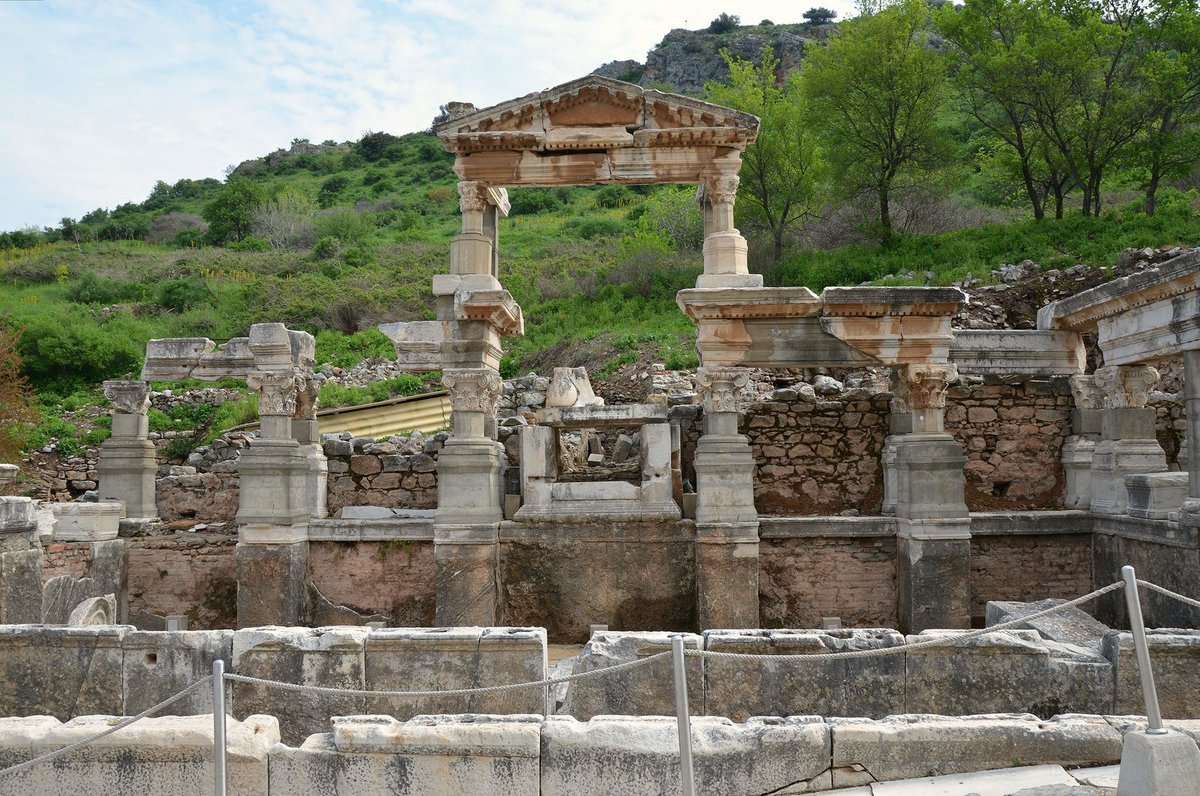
<point x="681" y="716"/>
<point x="218" y="700"/>
<point x="1138" y="629"/>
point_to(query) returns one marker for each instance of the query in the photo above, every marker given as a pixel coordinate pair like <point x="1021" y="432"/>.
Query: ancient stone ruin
<point x="949" y="478"/>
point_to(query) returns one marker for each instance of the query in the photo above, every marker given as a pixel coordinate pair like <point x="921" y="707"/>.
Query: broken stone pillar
<point x="933" y="526"/>
<point x="724" y="247"/>
<point x="126" y="465"/>
<point x="1080" y="447"/>
<point x="470" y="500"/>
<point x="1128" y="445"/>
<point x="726" y="520"/>
<point x="20" y="563"/>
<point x="8" y="477"/>
<point x="272" y="550"/>
<point x="306" y="430"/>
<point x="899" y="422"/>
<point x="1189" y="514"/>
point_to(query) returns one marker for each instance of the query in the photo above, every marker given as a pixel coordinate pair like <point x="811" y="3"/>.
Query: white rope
<point x="491" y="689"/>
<point x="940" y="641"/>
<point x="122" y="724"/>
<point x="1174" y="595"/>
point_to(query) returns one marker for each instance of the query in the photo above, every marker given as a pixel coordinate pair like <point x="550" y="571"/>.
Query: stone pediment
<point x="594" y="117"/>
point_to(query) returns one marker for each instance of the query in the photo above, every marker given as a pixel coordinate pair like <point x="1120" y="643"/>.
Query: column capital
<point x="1126" y="386"/>
<point x="472" y="196"/>
<point x="473" y="389"/>
<point x="720" y="189"/>
<point x="128" y="397"/>
<point x="1087" y="392"/>
<point x="718" y="387"/>
<point x="277" y="390"/>
<point x="925" y="384"/>
<point x="306" y="398"/>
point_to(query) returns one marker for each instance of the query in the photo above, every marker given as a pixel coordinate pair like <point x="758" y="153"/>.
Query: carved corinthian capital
<point x="473" y="389"/>
<point x="927" y="383"/>
<point x="276" y="390"/>
<point x="721" y="189"/>
<point x="1088" y="393"/>
<point x="1126" y="386"/>
<point x="719" y="387"/>
<point x="899" y="404"/>
<point x="472" y="196"/>
<point x="128" y="397"/>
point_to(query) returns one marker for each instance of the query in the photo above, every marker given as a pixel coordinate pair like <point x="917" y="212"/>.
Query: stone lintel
<point x="616" y="416"/>
<point x="176" y="359"/>
<point x="1018" y="352"/>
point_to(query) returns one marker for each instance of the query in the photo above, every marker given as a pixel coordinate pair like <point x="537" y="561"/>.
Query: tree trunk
<point x="778" y="235"/>
<point x="1152" y="191"/>
<point x="885" y="215"/>
<point x="1031" y="190"/>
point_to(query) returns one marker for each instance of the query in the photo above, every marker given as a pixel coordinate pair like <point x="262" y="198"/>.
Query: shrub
<point x="91" y="288"/>
<point x="344" y="224"/>
<point x="17" y="408"/>
<point x="529" y="201"/>
<point x="327" y="196"/>
<point x="326" y="248"/>
<point x="169" y="226"/>
<point x="68" y="351"/>
<point x="182" y="294"/>
<point x="724" y="23"/>
<point x="230" y="212"/>
<point x="251" y="243"/>
<point x="347" y="350"/>
<point x="592" y="228"/>
<point x="615" y="196"/>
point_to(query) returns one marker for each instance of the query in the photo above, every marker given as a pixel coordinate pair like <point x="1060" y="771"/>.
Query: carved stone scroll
<point x="473" y="389"/>
<point x="719" y="387"/>
<point x="128" y="397"/>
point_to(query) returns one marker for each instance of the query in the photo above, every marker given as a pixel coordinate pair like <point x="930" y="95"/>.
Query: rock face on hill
<point x="687" y="59"/>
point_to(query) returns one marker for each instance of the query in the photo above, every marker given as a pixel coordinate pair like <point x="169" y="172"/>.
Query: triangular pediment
<point x="595" y="113"/>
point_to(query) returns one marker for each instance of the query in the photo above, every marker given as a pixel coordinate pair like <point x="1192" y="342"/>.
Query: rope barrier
<point x="122" y="724"/>
<point x="940" y="641"/>
<point x="1167" y="592"/>
<point x="491" y="689"/>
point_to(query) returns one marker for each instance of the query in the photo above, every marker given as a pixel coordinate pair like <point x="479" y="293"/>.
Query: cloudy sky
<point x="102" y="98"/>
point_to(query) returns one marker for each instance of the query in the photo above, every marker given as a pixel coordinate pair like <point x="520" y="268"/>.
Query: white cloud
<point x="104" y="99"/>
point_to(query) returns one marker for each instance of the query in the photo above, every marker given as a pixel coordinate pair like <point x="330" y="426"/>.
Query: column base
<point x="1115" y="459"/>
<point x="272" y="584"/>
<point x="471" y="482"/>
<point x="727" y="570"/>
<point x="126" y="471"/>
<point x="933" y="583"/>
<point x="724" y="468"/>
<point x="465" y="584"/>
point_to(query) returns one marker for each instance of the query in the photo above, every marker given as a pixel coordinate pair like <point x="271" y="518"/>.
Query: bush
<point x="346" y="225"/>
<point x="169" y="226"/>
<point x="91" y="288"/>
<point x="68" y="352"/>
<point x="347" y="350"/>
<point x="179" y="295"/>
<point x="724" y="23"/>
<point x="326" y="248"/>
<point x="17" y="408"/>
<point x="530" y="201"/>
<point x="615" y="196"/>
<point x="327" y="196"/>
<point x="592" y="228"/>
<point x="251" y="243"/>
<point x="230" y="213"/>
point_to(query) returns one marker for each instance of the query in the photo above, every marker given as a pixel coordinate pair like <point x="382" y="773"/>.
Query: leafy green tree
<point x="781" y="171"/>
<point x="874" y="95"/>
<point x="231" y="212"/>
<point x="724" y="23"/>
<point x="819" y="16"/>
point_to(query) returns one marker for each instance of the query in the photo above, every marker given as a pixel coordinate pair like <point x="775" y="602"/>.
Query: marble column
<point x="1077" y="452"/>
<point x="1128" y="445"/>
<point x="274" y="509"/>
<point x="1189" y="515"/>
<point x="470" y="499"/>
<point x="726" y="520"/>
<point x="932" y="522"/>
<point x="899" y="422"/>
<point x="725" y="261"/>
<point x="306" y="430"/>
<point x="126" y="466"/>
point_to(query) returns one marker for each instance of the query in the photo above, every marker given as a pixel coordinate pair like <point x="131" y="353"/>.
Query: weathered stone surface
<point x="624" y="755"/>
<point x="1068" y="626"/>
<point x="449" y="658"/>
<point x="157" y="665"/>
<point x="640" y="691"/>
<point x="80" y="522"/>
<point x="272" y="584"/>
<point x="1158" y="764"/>
<point x="171" y="755"/>
<point x="872" y="687"/>
<point x="424" y="756"/>
<point x="94" y="611"/>
<point x="17" y="514"/>
<point x="1175" y="659"/>
<point x="62" y="672"/>
<point x="903" y="747"/>
<point x="332" y="657"/>
<point x="1006" y="671"/>
<point x="21" y="584"/>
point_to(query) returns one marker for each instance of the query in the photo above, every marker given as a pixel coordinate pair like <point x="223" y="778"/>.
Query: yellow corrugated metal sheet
<point x="424" y="413"/>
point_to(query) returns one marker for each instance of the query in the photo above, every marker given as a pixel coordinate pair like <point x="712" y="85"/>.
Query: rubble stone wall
<point x="184" y="574"/>
<point x="1030" y="567"/>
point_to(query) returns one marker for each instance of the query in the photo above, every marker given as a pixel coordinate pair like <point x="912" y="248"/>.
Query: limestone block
<point x="1175" y="659"/>
<point x="871" y="687"/>
<point x="641" y="691"/>
<point x="331" y="657"/>
<point x="272" y="583"/>
<point x="1010" y="670"/>
<point x="908" y="746"/>
<point x="60" y="671"/>
<point x="17" y="515"/>
<point x="449" y="658"/>
<point x="424" y="756"/>
<point x="158" y="664"/>
<point x="626" y="754"/>
<point x="1154" y="496"/>
<point x="1161" y="765"/>
<point x="86" y="522"/>
<point x="1068" y="626"/>
<point x="171" y="754"/>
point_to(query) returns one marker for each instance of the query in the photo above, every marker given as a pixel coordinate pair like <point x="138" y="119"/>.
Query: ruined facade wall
<point x="394" y="578"/>
<point x="66" y="558"/>
<point x="1012" y="436"/>
<point x="190" y="574"/>
<point x="818" y="456"/>
<point x="1028" y="568"/>
<point x="802" y="579"/>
